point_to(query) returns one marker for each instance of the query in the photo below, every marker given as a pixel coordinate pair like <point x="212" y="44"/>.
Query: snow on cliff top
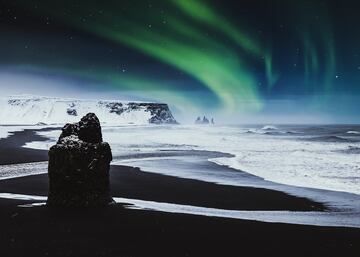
<point x="29" y="109"/>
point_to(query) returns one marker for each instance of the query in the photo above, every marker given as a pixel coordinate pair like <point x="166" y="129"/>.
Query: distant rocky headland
<point x="26" y="109"/>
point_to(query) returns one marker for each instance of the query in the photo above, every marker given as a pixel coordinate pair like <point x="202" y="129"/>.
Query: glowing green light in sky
<point x="222" y="74"/>
<point x="183" y="45"/>
<point x="318" y="46"/>
<point x="202" y="12"/>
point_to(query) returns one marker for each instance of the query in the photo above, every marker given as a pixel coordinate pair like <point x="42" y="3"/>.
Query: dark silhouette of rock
<point x="89" y="129"/>
<point x="212" y="121"/>
<point x="159" y="112"/>
<point x="69" y="130"/>
<point x="198" y="120"/>
<point x="71" y="111"/>
<point x="79" y="166"/>
<point x="204" y="120"/>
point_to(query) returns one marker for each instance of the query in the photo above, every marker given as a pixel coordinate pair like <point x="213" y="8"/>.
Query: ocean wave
<point x="269" y="127"/>
<point x="263" y="132"/>
<point x="274" y="133"/>
<point x="294" y="133"/>
<point x="271" y="132"/>
<point x="331" y="139"/>
<point x="353" y="132"/>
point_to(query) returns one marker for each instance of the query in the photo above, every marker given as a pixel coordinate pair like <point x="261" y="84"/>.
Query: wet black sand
<point x="133" y="183"/>
<point x="117" y="231"/>
<point x="11" y="150"/>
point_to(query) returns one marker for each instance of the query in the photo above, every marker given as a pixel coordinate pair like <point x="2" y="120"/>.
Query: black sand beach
<point x="12" y="152"/>
<point x="117" y="231"/>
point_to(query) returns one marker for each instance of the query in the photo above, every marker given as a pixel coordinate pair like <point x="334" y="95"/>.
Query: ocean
<point x="313" y="156"/>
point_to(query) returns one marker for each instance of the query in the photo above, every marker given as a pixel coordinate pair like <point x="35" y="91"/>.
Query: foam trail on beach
<point x="23" y="197"/>
<point x="344" y="219"/>
<point x="22" y="170"/>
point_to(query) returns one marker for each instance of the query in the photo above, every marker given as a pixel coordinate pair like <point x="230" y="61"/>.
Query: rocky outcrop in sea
<point x="204" y="120"/>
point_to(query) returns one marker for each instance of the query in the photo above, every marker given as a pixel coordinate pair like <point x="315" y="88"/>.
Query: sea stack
<point x="79" y="166"/>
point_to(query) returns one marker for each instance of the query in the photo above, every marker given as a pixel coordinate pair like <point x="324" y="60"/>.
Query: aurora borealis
<point x="219" y="57"/>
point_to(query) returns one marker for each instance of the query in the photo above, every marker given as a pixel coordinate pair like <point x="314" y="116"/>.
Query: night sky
<point x="281" y="61"/>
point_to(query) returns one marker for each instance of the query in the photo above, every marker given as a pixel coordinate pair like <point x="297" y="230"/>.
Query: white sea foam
<point x="52" y="136"/>
<point x="345" y="219"/>
<point x="4" y="132"/>
<point x="353" y="132"/>
<point x="22" y="197"/>
<point x="269" y="127"/>
<point x="283" y="159"/>
<point x="22" y="170"/>
<point x="279" y="159"/>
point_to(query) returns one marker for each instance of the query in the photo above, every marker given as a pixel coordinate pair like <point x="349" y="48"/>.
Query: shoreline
<point x="12" y="151"/>
<point x="131" y="182"/>
<point x="119" y="231"/>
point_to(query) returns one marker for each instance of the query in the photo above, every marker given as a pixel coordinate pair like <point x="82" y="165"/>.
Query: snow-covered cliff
<point x="34" y="109"/>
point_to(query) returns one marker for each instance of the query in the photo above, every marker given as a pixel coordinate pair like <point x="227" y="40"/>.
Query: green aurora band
<point x="182" y="44"/>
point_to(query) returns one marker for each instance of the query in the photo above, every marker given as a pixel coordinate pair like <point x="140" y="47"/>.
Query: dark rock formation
<point x="79" y="166"/>
<point x="198" y="120"/>
<point x="160" y="113"/>
<point x="71" y="111"/>
<point x="204" y="120"/>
